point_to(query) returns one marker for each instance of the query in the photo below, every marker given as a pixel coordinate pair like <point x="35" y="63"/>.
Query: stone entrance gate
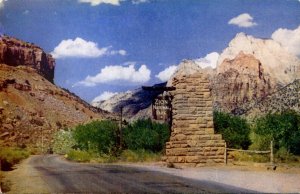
<point x="193" y="141"/>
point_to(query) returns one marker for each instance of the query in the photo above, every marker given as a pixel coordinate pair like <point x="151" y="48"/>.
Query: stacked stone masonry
<point x="193" y="141"/>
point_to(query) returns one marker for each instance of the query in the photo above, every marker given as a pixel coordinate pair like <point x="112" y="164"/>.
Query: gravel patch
<point x="256" y="180"/>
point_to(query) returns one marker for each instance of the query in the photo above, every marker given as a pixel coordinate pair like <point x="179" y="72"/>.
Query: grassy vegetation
<point x="139" y="156"/>
<point x="79" y="156"/>
<point x="144" y="140"/>
<point x="10" y="156"/>
<point x="249" y="157"/>
<point x="98" y="141"/>
<point x="125" y="156"/>
<point x="283" y="128"/>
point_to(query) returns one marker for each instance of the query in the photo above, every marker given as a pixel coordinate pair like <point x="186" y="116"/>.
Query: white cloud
<point x="243" y="20"/>
<point x="118" y="73"/>
<point x="119" y="52"/>
<point x="82" y="48"/>
<point x="2" y="3"/>
<point x="104" y="96"/>
<point x="111" y="2"/>
<point x="26" y="12"/>
<point x="166" y="74"/>
<point x="136" y="2"/>
<point x="98" y="2"/>
<point x="210" y="60"/>
<point x="290" y="39"/>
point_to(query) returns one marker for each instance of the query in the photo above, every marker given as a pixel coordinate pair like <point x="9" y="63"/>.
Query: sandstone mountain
<point x="248" y="70"/>
<point x="32" y="108"/>
<point x="240" y="80"/>
<point x="277" y="62"/>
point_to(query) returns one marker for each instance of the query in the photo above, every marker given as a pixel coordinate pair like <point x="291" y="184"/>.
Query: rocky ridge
<point x="136" y="104"/>
<point x="286" y="98"/>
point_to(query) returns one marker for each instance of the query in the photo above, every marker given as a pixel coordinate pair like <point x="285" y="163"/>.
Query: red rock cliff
<point x="15" y="52"/>
<point x="240" y="81"/>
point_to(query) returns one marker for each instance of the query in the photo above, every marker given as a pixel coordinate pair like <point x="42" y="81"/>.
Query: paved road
<point x="67" y="177"/>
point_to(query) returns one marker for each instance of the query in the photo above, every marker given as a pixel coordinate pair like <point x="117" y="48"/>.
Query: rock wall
<point x="193" y="141"/>
<point x="15" y="52"/>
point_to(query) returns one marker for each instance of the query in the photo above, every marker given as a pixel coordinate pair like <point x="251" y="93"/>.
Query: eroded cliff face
<point x="32" y="108"/>
<point x="239" y="81"/>
<point x="277" y="62"/>
<point x="286" y="98"/>
<point x="15" y="52"/>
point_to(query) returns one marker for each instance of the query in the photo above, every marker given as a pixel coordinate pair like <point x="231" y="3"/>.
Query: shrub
<point x="63" y="141"/>
<point x="79" y="156"/>
<point x="283" y="128"/>
<point x="234" y="129"/>
<point x="249" y="157"/>
<point x="139" y="156"/>
<point x="147" y="135"/>
<point x="10" y="156"/>
<point x="97" y="136"/>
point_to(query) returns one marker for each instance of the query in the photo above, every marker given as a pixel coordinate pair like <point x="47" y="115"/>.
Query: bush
<point x="283" y="128"/>
<point x="249" y="157"/>
<point x="234" y="129"/>
<point x="139" y="156"/>
<point x="260" y="142"/>
<point x="10" y="156"/>
<point x="147" y="135"/>
<point x="79" y="156"/>
<point x="97" y="136"/>
<point x="63" y="141"/>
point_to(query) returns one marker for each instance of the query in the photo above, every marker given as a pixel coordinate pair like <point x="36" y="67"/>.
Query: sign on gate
<point x="162" y="104"/>
<point x="162" y="108"/>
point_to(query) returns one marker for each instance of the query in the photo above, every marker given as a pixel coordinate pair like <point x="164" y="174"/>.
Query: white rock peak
<point x="275" y="59"/>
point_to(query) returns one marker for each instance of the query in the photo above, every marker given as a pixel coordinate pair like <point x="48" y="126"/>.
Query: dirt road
<point x="52" y="174"/>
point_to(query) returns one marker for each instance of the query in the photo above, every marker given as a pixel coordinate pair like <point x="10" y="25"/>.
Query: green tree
<point x="145" y="134"/>
<point x="99" y="136"/>
<point x="63" y="141"/>
<point x="235" y="130"/>
<point x="283" y="127"/>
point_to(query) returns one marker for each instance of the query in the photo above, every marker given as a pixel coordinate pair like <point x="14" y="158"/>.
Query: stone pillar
<point x="193" y="141"/>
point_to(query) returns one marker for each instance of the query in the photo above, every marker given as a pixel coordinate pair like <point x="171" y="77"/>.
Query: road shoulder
<point x="255" y="179"/>
<point x="26" y="179"/>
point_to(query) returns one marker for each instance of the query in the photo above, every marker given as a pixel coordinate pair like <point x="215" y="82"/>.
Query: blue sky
<point x="118" y="45"/>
